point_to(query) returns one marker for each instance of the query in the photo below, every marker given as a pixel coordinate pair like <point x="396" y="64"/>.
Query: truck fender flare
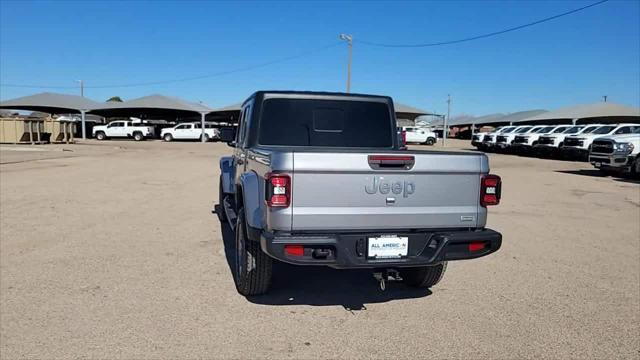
<point x="251" y="200"/>
<point x="226" y="172"/>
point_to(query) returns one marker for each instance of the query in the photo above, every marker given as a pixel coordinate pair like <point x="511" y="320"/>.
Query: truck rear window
<point x="332" y="123"/>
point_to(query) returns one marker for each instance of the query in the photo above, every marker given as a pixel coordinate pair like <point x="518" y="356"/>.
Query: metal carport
<point x="53" y="103"/>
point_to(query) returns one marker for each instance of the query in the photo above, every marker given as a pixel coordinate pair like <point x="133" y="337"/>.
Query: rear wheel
<point x="430" y="141"/>
<point x="425" y="276"/>
<point x="206" y="137"/>
<point x="100" y="135"/>
<point x="253" y="268"/>
<point x="167" y="137"/>
<point x="137" y="136"/>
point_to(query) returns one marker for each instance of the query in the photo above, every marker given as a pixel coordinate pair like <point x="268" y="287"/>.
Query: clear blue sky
<point x="574" y="59"/>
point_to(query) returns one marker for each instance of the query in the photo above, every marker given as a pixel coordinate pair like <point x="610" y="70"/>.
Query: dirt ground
<point x="110" y="250"/>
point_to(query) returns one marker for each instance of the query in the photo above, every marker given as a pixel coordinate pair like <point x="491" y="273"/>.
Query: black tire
<point x="253" y="268"/>
<point x="137" y="136"/>
<point x="635" y="168"/>
<point x="206" y="137"/>
<point x="100" y="135"/>
<point x="221" y="197"/>
<point x="167" y="137"/>
<point x="425" y="276"/>
<point x="430" y="141"/>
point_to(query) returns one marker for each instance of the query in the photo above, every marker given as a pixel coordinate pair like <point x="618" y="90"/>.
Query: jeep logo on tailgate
<point x="405" y="188"/>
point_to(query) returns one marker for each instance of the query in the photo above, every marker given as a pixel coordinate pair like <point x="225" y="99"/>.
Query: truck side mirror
<point x="228" y="134"/>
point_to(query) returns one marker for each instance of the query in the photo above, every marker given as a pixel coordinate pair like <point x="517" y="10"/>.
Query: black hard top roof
<point x="303" y="94"/>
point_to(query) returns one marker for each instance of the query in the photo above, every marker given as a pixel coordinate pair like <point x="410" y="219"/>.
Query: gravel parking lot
<point x="109" y="250"/>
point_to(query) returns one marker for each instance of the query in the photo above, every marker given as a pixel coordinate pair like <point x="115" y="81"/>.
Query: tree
<point x="114" y="99"/>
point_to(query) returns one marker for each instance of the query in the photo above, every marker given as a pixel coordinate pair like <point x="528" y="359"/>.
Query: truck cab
<point x="318" y="179"/>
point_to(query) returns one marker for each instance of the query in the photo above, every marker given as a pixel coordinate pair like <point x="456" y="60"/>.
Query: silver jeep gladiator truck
<point x="318" y="179"/>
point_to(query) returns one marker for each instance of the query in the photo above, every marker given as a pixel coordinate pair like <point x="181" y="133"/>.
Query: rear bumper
<point x="349" y="250"/>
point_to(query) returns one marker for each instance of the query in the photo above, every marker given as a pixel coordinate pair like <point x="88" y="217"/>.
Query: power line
<point x="483" y="35"/>
<point x="160" y="82"/>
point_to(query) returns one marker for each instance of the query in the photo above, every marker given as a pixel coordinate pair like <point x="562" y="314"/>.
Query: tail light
<point x="278" y="190"/>
<point x="404" y="137"/>
<point x="490" y="190"/>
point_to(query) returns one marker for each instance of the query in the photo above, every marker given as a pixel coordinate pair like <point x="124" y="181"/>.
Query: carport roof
<point x="155" y="102"/>
<point x="232" y="107"/>
<point x="406" y="109"/>
<point x="584" y="111"/>
<point x="51" y="103"/>
<point x="519" y="116"/>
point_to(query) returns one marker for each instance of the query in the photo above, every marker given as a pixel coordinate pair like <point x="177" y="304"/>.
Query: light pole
<point x="349" y="40"/>
<point x="446" y="120"/>
<point x="81" y="87"/>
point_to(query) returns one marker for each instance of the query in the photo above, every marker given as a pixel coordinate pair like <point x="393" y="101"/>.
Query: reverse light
<point x="490" y="190"/>
<point x="277" y="190"/>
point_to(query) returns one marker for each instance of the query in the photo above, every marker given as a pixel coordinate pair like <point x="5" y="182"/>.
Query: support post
<point x="30" y="131"/>
<point x="84" y="128"/>
<point x="202" y="116"/>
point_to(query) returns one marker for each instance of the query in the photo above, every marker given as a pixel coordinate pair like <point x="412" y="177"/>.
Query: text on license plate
<point x="388" y="247"/>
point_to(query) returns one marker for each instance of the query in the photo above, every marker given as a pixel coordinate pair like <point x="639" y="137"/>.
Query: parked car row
<point x="610" y="147"/>
<point x="140" y="131"/>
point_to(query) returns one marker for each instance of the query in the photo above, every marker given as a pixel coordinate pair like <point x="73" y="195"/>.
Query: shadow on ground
<point x="598" y="173"/>
<point x="321" y="286"/>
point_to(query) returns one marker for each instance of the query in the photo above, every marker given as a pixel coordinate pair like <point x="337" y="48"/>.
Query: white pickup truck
<point x="555" y="141"/>
<point x="420" y="135"/>
<point x="580" y="145"/>
<point x="489" y="139"/>
<point x="190" y="131"/>
<point x="123" y="129"/>
<point x="617" y="153"/>
<point x="505" y="139"/>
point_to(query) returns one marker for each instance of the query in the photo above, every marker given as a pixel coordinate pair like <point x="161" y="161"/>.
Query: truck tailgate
<point x="343" y="191"/>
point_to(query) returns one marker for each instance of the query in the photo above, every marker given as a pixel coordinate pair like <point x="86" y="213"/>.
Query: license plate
<point x="388" y="247"/>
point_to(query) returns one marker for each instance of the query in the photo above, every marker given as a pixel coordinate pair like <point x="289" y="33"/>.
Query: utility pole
<point x="445" y="129"/>
<point x="81" y="87"/>
<point x="349" y="40"/>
